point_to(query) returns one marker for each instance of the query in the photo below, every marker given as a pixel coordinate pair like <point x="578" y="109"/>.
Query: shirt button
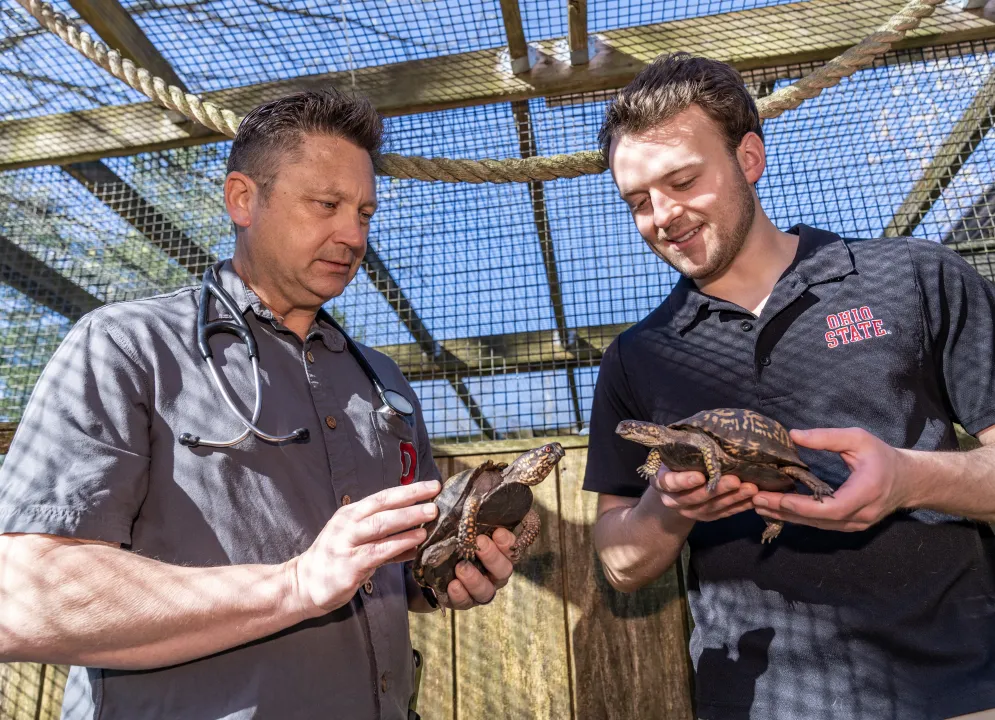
<point x="746" y="325"/>
<point x="330" y="422"/>
<point x="765" y="360"/>
<point x="383" y="682"/>
<point x="368" y="587"/>
<point x="346" y="499"/>
<point x="309" y="356"/>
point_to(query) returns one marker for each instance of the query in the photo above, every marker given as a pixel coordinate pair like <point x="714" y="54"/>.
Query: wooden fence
<point x="558" y="642"/>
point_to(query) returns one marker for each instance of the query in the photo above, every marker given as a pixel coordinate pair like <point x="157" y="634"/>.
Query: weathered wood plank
<point x="629" y="651"/>
<point x="577" y="31"/>
<point x="20" y="691"/>
<point x="119" y="31"/>
<point x="511" y="656"/>
<point x="809" y="31"/>
<point x="500" y="354"/>
<point x="432" y="636"/>
<point x="6" y="435"/>
<point x="43" y="284"/>
<point x="52" y="686"/>
<point x="518" y="48"/>
<point x="968" y="132"/>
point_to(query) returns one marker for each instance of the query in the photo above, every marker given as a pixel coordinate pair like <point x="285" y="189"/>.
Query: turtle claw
<point x="772" y="530"/>
<point x="526" y="536"/>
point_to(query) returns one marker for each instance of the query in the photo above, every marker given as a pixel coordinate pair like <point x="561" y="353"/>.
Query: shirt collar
<point x="821" y="256"/>
<point x="245" y="299"/>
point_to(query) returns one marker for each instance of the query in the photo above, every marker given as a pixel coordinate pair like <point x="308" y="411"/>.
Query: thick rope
<point x="474" y="171"/>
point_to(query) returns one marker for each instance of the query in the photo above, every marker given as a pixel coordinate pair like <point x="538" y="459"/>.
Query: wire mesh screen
<point x="498" y="300"/>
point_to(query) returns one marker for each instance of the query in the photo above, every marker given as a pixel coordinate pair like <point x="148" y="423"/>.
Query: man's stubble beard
<point x="728" y="246"/>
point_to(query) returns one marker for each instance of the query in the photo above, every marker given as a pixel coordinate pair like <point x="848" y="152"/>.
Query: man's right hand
<point x="358" y="539"/>
<point x="685" y="494"/>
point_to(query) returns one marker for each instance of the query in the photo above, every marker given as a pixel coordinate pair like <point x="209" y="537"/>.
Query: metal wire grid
<point x="495" y="300"/>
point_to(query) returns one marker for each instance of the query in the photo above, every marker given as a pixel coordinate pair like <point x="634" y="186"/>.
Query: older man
<point x="263" y="579"/>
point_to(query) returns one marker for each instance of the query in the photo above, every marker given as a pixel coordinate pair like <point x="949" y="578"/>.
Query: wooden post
<point x="518" y="48"/>
<point x="577" y="31"/>
<point x="629" y="651"/>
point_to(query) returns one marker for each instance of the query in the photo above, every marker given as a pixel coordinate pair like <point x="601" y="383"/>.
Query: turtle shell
<point x="746" y="435"/>
<point x="505" y="506"/>
<point x="452" y="496"/>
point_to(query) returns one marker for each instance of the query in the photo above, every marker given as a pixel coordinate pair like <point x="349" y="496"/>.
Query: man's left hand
<point x="877" y="486"/>
<point x="471" y="587"/>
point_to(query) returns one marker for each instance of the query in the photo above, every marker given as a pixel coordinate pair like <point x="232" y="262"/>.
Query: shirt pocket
<point x="396" y="435"/>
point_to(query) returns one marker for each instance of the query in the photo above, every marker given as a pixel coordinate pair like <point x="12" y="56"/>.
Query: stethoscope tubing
<point x="238" y="326"/>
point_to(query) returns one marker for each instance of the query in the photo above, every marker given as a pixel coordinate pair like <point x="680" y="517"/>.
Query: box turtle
<point x="726" y="441"/>
<point x="478" y="501"/>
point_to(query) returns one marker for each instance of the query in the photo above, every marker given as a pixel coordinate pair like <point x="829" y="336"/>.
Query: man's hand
<point x="877" y="486"/>
<point x="472" y="587"/>
<point x="685" y="494"/>
<point x="359" y="538"/>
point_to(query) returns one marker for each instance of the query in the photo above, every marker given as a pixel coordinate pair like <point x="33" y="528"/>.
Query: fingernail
<point x="428" y="509"/>
<point x="434" y="485"/>
<point x="759" y="501"/>
<point x="480" y="542"/>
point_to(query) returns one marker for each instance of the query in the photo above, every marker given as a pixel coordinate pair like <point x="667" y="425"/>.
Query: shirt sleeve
<point x="959" y="318"/>
<point x="612" y="461"/>
<point x="79" y="462"/>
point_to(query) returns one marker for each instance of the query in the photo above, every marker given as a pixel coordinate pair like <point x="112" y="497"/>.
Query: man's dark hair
<point x="673" y="83"/>
<point x="276" y="128"/>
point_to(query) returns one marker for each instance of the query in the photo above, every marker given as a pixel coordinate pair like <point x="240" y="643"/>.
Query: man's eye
<point x="638" y="206"/>
<point x="367" y="217"/>
<point x="329" y="205"/>
<point x="684" y="185"/>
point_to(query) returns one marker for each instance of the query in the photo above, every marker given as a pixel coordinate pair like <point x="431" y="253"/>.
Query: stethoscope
<point x="393" y="401"/>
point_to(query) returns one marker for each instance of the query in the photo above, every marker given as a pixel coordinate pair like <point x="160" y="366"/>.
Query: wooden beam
<point x="772" y="36"/>
<point x="119" y="31"/>
<point x="527" y="148"/>
<point x="43" y="284"/>
<point x="142" y="215"/>
<point x="427" y="348"/>
<point x="535" y="351"/>
<point x="518" y="48"/>
<point x="977" y="223"/>
<point x="577" y="31"/>
<point x="947" y="161"/>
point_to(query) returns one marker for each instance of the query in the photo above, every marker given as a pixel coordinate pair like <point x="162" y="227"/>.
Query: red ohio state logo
<point x="409" y="463"/>
<point x="853" y="326"/>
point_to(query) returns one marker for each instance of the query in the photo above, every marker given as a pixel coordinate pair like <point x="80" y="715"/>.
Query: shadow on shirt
<point x="717" y="669"/>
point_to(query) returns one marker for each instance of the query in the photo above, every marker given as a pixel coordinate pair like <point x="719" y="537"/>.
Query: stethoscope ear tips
<point x="189" y="440"/>
<point x="301" y="435"/>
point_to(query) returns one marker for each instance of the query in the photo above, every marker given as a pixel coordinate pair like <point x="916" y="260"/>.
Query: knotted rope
<point x="451" y="170"/>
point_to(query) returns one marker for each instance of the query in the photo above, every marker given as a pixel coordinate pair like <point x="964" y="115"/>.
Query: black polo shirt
<point x="898" y="621"/>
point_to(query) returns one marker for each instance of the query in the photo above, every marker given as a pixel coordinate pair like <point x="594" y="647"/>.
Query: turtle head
<point x="532" y="467"/>
<point x="645" y="433"/>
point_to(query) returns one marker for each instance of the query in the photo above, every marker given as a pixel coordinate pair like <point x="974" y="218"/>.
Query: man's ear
<point x="241" y="196"/>
<point x="752" y="157"/>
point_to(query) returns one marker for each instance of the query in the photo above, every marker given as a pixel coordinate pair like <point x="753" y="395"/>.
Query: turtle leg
<point x="773" y="529"/>
<point x="526" y="536"/>
<point x="710" y="456"/>
<point x="818" y="488"/>
<point x="649" y="469"/>
<point x="467" y="533"/>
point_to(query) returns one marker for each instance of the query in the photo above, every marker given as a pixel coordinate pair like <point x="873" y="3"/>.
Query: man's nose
<point x="665" y="210"/>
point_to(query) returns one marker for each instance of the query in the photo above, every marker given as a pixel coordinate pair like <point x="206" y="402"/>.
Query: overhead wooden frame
<point x="748" y="39"/>
<point x="966" y="134"/>
<point x="577" y="31"/>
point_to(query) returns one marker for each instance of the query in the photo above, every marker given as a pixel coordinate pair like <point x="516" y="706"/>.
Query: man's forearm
<point x="100" y="606"/>
<point x="958" y="483"/>
<point x="639" y="543"/>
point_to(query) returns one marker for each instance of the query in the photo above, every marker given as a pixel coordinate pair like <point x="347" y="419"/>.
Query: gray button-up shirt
<point x="97" y="456"/>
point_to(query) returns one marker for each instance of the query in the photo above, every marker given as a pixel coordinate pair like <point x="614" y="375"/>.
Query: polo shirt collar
<point x="246" y="299"/>
<point x="821" y="256"/>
